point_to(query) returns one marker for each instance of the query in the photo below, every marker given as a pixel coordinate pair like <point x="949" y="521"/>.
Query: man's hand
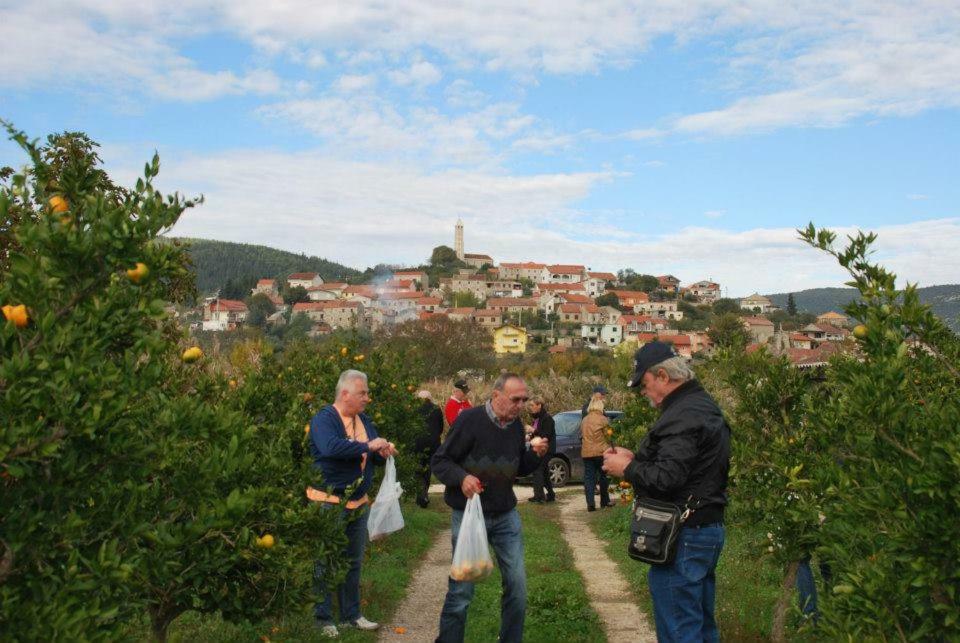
<point x="470" y="486"/>
<point x="377" y="444"/>
<point x="539" y="446"/>
<point x="389" y="450"/>
<point x="616" y="459"/>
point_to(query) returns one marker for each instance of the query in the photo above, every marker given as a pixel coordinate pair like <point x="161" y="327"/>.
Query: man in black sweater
<point x="484" y="453"/>
<point x="684" y="459"/>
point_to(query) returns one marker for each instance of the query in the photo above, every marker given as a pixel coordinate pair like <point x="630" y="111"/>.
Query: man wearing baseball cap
<point x="684" y="459"/>
<point x="458" y="401"/>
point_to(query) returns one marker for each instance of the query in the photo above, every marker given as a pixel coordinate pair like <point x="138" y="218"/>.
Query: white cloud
<point x="355" y="82"/>
<point x="462" y="93"/>
<point x="419" y="74"/>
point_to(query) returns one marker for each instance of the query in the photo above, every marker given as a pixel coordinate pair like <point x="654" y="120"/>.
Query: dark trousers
<point x="423" y="481"/>
<point x="592" y="473"/>
<point x="541" y="480"/>
<point x="348" y="592"/>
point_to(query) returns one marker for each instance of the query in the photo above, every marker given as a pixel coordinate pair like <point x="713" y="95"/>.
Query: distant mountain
<point x="214" y="262"/>
<point x="944" y="300"/>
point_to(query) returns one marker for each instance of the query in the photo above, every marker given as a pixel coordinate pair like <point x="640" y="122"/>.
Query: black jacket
<point x="685" y="453"/>
<point x="547" y="428"/>
<point x="428" y="441"/>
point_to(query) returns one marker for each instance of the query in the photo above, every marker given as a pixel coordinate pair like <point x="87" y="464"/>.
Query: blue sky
<point x="667" y="136"/>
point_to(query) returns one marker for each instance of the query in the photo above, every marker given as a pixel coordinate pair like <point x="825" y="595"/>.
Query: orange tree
<point x="128" y="484"/>
<point x="860" y="468"/>
<point x="891" y="531"/>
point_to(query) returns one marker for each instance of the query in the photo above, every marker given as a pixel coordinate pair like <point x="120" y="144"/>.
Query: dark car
<point x="567" y="465"/>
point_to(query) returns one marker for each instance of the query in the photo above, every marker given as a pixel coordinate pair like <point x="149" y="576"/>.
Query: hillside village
<point x="558" y="307"/>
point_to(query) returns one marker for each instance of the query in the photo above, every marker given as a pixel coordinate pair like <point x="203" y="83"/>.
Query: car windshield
<point x="567" y="423"/>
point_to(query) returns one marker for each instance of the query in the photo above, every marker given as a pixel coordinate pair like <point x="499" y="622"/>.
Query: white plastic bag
<point x="471" y="556"/>
<point x="385" y="517"/>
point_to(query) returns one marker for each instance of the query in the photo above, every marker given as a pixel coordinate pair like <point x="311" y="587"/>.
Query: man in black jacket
<point x="684" y="459"/>
<point x="427" y="443"/>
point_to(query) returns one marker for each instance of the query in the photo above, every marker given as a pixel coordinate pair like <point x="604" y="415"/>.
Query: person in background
<point x="458" y="402"/>
<point x="593" y="429"/>
<point x="344" y="444"/>
<point x="600" y="390"/>
<point x="543" y="427"/>
<point x="427" y="443"/>
<point x="484" y="453"/>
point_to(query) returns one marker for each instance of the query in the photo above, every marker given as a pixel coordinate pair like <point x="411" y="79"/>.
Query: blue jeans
<point x="506" y="536"/>
<point x="807" y="586"/>
<point x="592" y="473"/>
<point x="683" y="592"/>
<point x="348" y="592"/>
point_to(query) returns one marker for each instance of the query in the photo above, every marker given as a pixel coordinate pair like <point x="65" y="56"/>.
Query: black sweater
<point x="478" y="447"/>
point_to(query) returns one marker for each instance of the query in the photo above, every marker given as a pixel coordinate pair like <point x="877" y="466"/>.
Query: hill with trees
<point x="217" y="262"/>
<point x="944" y="300"/>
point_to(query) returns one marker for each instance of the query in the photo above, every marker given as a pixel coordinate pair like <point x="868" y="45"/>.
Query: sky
<point x="667" y="136"/>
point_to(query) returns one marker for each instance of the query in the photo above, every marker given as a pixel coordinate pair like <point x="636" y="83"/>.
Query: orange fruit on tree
<point x="192" y="354"/>
<point x="17" y="315"/>
<point x="266" y="541"/>
<point x="860" y="331"/>
<point x="138" y="273"/>
<point x="58" y="204"/>
<point x="344" y="351"/>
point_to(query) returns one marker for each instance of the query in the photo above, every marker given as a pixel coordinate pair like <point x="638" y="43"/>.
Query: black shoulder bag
<point x="654" y="528"/>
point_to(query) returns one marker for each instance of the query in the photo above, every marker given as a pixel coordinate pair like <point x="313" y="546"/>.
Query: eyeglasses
<point x="517" y="399"/>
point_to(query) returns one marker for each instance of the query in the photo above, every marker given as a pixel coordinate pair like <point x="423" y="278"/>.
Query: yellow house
<point x="509" y="339"/>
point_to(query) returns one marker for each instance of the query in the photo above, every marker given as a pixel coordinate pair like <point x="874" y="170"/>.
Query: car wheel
<point x="559" y="472"/>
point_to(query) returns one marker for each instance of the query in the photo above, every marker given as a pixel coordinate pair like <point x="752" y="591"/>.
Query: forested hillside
<point x="945" y="301"/>
<point x="216" y="262"/>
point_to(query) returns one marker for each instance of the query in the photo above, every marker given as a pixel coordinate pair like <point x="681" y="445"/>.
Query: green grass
<point x="558" y="608"/>
<point x="747" y="585"/>
<point x="387" y="570"/>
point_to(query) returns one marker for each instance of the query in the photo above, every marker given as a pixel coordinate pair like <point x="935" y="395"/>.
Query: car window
<point x="567" y="423"/>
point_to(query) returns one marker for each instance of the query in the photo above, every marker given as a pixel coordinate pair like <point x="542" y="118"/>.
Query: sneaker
<point x="591" y="508"/>
<point x="423" y="503"/>
<point x="535" y="499"/>
<point x="328" y="630"/>
<point x="362" y="624"/>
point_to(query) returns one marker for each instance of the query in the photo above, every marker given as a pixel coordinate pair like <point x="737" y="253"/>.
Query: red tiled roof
<point x="647" y="337"/>
<point x="462" y="310"/>
<point x="567" y="269"/>
<point x="486" y="312"/>
<point x="677" y="340"/>
<point x="264" y="282"/>
<point x="591" y="308"/>
<point x="429" y="301"/>
<point x="757" y="321"/>
<point x="631" y="294"/>
<point x="303" y="275"/>
<point x="799" y="337"/>
<point x="403" y="294"/>
<point x="227" y="305"/>
<point x="362" y="289"/>
<point x="557" y="349"/>
<point x="606" y="276"/>
<point x="306" y="306"/>
<point x="570" y="308"/>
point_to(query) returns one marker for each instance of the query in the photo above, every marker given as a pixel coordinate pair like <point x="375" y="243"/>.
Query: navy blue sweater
<point x="339" y="457"/>
<point x="477" y="446"/>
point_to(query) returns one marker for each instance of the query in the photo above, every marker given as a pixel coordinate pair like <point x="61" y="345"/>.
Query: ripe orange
<point x="17" y="315"/>
<point x="138" y="273"/>
<point x="308" y="397"/>
<point x="233" y="384"/>
<point x="344" y="351"/>
<point x="400" y="630"/>
<point x="192" y="354"/>
<point x="266" y="541"/>
<point x="58" y="204"/>
<point x="859" y="331"/>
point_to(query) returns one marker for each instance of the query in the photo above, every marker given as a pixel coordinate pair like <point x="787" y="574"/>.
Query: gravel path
<point x="418" y="616"/>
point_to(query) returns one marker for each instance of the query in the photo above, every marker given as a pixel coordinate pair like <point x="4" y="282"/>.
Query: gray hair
<point x="348" y="376"/>
<point x="676" y="369"/>
<point x="424" y="394"/>
<point x="501" y="381"/>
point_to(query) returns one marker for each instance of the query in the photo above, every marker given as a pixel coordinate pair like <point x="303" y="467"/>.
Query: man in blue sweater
<point x="345" y="444"/>
<point x="484" y="453"/>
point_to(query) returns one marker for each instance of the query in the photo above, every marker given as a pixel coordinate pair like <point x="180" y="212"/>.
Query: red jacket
<point x="453" y="408"/>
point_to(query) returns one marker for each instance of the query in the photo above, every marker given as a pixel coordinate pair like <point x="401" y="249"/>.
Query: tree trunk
<point x="777" y="633"/>
<point x="160" y="620"/>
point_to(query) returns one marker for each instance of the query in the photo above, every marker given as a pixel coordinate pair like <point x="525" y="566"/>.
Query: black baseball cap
<point x="462" y="385"/>
<point x="600" y="388"/>
<point x="647" y="357"/>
